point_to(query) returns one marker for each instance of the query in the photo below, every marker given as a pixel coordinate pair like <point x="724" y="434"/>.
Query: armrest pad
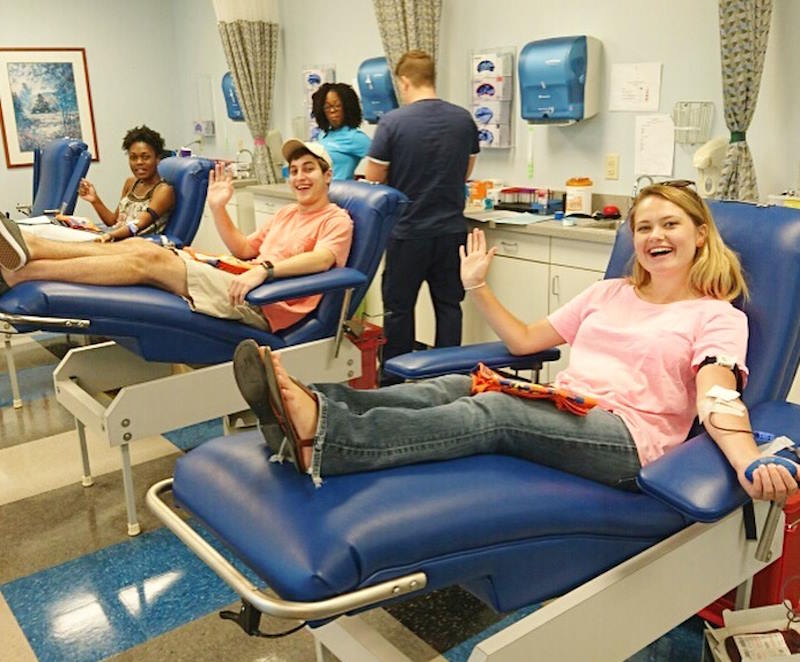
<point x="448" y="360"/>
<point x="300" y="286"/>
<point x="696" y="479"/>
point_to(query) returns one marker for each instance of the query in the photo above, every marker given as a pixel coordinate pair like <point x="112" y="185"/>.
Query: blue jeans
<point x="439" y="420"/>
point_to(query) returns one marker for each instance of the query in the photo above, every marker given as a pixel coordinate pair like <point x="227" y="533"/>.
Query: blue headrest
<point x="767" y="240"/>
<point x="56" y="174"/>
<point x="189" y="177"/>
<point x="79" y="172"/>
<point x="374" y="210"/>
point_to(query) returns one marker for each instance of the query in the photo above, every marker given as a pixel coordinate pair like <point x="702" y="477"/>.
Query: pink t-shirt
<point x="639" y="359"/>
<point x="291" y="232"/>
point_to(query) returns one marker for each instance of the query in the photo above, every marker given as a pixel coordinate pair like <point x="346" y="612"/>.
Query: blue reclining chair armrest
<point x="697" y="480"/>
<point x="300" y="286"/>
<point x="164" y="240"/>
<point x="448" y="360"/>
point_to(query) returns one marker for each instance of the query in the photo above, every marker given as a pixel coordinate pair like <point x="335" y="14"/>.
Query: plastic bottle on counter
<point x="559" y="216"/>
<point x="579" y="195"/>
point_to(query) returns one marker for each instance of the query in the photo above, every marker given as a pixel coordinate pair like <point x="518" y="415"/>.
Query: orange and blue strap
<point x="485" y="379"/>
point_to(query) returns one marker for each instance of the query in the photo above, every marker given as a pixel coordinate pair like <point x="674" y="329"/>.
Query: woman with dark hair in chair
<point x="647" y="350"/>
<point x="338" y="114"/>
<point x="146" y="199"/>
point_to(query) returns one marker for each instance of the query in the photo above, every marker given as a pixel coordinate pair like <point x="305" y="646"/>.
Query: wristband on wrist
<point x="270" y="269"/>
<point x="133" y="228"/>
<point x="475" y="287"/>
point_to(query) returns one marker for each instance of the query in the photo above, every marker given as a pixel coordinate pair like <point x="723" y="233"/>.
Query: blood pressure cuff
<point x="726" y="364"/>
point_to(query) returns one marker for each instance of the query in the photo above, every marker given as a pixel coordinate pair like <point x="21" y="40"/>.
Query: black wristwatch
<point x="270" y="269"/>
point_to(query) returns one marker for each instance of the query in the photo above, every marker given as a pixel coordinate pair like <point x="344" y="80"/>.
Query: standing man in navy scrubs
<point x="427" y="150"/>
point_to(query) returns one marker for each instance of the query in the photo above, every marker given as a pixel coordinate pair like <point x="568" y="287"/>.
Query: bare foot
<point x="10" y="277"/>
<point x="301" y="407"/>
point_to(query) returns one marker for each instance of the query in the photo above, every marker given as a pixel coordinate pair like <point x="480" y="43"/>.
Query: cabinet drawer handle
<point x="554" y="285"/>
<point x="510" y="246"/>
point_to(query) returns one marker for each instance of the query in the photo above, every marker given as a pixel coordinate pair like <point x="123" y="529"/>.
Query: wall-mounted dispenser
<point x="232" y="105"/>
<point x="376" y="89"/>
<point x="559" y="80"/>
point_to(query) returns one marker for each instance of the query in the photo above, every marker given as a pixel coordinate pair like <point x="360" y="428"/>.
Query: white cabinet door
<point x="565" y="284"/>
<point x="264" y="208"/>
<point x="425" y="324"/>
<point x="520" y="285"/>
<point x="207" y="238"/>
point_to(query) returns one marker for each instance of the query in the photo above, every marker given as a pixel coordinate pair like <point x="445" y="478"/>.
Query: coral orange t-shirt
<point x="293" y="231"/>
<point x="639" y="359"/>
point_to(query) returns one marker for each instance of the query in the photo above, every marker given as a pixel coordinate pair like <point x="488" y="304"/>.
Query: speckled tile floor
<point x="73" y="586"/>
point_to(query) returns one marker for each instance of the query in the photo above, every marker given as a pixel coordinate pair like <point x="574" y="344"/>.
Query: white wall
<point x="146" y="60"/>
<point x="681" y="34"/>
<point x="129" y="55"/>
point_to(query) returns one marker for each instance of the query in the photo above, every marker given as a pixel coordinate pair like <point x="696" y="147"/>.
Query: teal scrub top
<point x="346" y="146"/>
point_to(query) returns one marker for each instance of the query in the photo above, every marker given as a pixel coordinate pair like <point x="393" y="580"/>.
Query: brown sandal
<point x="248" y="369"/>
<point x="295" y="445"/>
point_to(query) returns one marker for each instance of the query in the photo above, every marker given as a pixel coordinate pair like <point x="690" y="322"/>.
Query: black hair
<point x="302" y="151"/>
<point x="144" y="134"/>
<point x="351" y="108"/>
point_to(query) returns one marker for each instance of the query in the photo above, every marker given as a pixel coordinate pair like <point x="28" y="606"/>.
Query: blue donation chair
<point x="189" y="177"/>
<point x="58" y="168"/>
<point x="629" y="566"/>
<point x="153" y="329"/>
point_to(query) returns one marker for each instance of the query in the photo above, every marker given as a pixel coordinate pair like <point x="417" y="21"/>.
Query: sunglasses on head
<point x="678" y="183"/>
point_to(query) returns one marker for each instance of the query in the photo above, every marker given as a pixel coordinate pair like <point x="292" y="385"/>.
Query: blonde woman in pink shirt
<point x="640" y="347"/>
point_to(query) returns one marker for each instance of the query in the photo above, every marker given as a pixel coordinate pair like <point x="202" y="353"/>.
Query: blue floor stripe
<point x="116" y="598"/>
<point x="462" y="651"/>
<point x="34" y="383"/>
<point x="193" y="435"/>
<point x="684" y="642"/>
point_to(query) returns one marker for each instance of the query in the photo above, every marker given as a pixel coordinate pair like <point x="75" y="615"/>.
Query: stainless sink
<point x="605" y="224"/>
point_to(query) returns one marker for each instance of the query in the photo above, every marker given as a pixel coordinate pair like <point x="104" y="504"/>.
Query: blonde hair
<point x="418" y="67"/>
<point x="716" y="271"/>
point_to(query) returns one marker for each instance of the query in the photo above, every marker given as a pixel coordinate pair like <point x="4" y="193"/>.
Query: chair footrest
<point x="448" y="360"/>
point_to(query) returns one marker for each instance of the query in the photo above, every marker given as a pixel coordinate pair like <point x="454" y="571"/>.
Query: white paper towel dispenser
<point x="559" y="80"/>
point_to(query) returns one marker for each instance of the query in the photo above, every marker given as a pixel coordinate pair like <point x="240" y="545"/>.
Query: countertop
<point x="272" y="191"/>
<point x="581" y="231"/>
<point x="244" y="183"/>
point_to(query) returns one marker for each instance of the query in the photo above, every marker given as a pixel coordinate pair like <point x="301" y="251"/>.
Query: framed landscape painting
<point x="44" y="95"/>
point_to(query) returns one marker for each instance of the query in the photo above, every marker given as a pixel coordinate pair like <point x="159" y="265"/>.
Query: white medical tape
<point x="777" y="444"/>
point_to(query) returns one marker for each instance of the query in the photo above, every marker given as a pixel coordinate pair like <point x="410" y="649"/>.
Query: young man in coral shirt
<point x="307" y="237"/>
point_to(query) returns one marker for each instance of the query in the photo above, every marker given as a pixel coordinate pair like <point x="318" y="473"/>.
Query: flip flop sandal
<point x="295" y="445"/>
<point x="248" y="369"/>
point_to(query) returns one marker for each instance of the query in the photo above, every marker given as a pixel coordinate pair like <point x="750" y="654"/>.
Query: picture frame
<point x="44" y="95"/>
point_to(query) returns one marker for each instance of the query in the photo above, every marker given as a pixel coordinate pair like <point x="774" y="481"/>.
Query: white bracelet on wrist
<point x="475" y="287"/>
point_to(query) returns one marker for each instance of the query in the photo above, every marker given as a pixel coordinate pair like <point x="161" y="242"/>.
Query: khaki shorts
<point x="208" y="294"/>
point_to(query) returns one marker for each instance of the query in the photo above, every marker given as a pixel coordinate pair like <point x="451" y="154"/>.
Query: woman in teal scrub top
<point x="337" y="112"/>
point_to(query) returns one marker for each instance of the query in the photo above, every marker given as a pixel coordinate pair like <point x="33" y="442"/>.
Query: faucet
<point x="241" y="169"/>
<point x="637" y="185"/>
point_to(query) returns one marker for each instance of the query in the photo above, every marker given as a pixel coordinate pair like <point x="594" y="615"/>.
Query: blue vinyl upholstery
<point x="510" y="531"/>
<point x="161" y="327"/>
<point x="189" y="178"/>
<point x="57" y="170"/>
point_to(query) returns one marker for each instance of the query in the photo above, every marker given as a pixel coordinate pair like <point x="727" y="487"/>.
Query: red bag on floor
<point x="486" y="379"/>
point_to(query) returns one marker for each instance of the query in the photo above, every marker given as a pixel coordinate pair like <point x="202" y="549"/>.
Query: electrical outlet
<point x="612" y="166"/>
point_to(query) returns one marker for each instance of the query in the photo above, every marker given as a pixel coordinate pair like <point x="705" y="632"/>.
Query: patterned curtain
<point x="744" y="31"/>
<point x="407" y="25"/>
<point x="249" y="33"/>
